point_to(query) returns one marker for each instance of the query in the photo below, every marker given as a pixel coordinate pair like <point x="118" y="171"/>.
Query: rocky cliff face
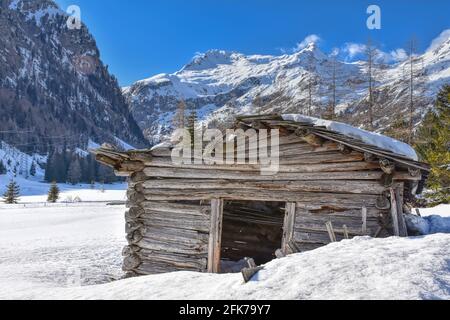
<point x="219" y="84"/>
<point x="54" y="89"/>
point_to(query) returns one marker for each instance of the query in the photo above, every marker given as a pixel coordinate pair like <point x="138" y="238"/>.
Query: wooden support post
<point x="403" y="230"/>
<point x="215" y="236"/>
<point x="394" y="217"/>
<point x="330" y="230"/>
<point x="288" y="227"/>
<point x="364" y="220"/>
<point x="346" y="236"/>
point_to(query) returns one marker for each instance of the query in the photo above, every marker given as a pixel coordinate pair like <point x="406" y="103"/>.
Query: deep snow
<point x="74" y="251"/>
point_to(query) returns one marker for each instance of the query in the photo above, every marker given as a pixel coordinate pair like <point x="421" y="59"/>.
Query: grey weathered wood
<point x="346" y="235"/>
<point x="182" y="173"/>
<point x="215" y="236"/>
<point x="131" y="262"/>
<point x="403" y="230"/>
<point x="288" y="226"/>
<point x="313" y="198"/>
<point x="364" y="220"/>
<point x="341" y="186"/>
<point x="330" y="230"/>
<point x="321" y="167"/>
<point x="418" y="212"/>
<point x="249" y="273"/>
<point x="394" y="214"/>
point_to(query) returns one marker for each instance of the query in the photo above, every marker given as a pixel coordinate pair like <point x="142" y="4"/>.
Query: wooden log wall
<point x="165" y="236"/>
<point x="169" y="216"/>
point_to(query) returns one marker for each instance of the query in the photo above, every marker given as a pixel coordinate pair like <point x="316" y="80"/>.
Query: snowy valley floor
<point x="73" y="251"/>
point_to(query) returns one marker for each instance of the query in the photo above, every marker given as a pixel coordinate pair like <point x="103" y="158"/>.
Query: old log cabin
<point x="333" y="182"/>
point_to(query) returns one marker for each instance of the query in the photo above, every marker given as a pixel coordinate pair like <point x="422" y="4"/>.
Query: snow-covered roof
<point x="371" y="138"/>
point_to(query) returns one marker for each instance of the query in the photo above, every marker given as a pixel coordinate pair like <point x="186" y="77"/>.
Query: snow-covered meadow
<point x="73" y="251"/>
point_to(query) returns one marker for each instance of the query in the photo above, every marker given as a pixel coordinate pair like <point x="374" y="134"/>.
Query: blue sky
<point x="140" y="38"/>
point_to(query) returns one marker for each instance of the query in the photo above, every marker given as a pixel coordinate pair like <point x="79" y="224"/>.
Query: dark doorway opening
<point x="250" y="229"/>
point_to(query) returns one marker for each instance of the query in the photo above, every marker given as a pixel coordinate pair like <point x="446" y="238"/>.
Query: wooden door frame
<point x="215" y="236"/>
<point x="215" y="232"/>
<point x="288" y="227"/>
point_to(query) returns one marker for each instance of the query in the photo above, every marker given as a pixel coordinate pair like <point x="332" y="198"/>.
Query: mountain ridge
<point x="219" y="84"/>
<point x="55" y="91"/>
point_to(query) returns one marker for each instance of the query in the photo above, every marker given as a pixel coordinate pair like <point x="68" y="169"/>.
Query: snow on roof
<point x="371" y="138"/>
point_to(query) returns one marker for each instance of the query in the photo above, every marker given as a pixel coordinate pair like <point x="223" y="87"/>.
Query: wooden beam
<point x="215" y="236"/>
<point x="288" y="226"/>
<point x="394" y="216"/>
<point x="364" y="220"/>
<point x="403" y="230"/>
<point x="346" y="236"/>
<point x="330" y="230"/>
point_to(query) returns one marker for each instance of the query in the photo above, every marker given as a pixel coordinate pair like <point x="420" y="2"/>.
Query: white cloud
<point x="444" y="36"/>
<point x="398" y="55"/>
<point x="335" y="52"/>
<point x="312" y="38"/>
<point x="351" y="50"/>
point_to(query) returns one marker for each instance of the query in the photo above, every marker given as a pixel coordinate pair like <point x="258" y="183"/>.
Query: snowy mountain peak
<point x="211" y="59"/>
<point x="221" y="84"/>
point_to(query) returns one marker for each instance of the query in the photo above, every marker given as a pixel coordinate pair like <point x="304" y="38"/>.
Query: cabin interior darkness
<point x="252" y="229"/>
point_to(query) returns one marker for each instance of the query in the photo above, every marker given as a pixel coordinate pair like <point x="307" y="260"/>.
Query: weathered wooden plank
<point x="318" y="224"/>
<point x="172" y="247"/>
<point x="364" y="220"/>
<point x="288" y="226"/>
<point x="176" y="260"/>
<point x="330" y="230"/>
<point x="327" y="167"/>
<point x="354" y="214"/>
<point x="215" y="236"/>
<point x="175" y="234"/>
<point x="312" y="199"/>
<point x="183" y="173"/>
<point x="178" y="221"/>
<point x="403" y="230"/>
<point x="345" y="230"/>
<point x="177" y="207"/>
<point x="394" y="214"/>
<point x="339" y="186"/>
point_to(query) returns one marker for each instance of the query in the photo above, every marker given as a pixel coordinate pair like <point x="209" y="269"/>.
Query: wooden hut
<point x="330" y="186"/>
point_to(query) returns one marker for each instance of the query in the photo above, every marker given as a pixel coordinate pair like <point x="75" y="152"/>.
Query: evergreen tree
<point x="74" y="172"/>
<point x="33" y="169"/>
<point x="192" y="120"/>
<point x="179" y="116"/>
<point x="2" y="168"/>
<point x="12" y="193"/>
<point x="53" y="193"/>
<point x="433" y="145"/>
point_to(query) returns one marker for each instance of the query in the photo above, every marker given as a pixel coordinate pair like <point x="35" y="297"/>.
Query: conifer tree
<point x="53" y="193"/>
<point x="2" y="168"/>
<point x="33" y="169"/>
<point x="433" y="145"/>
<point x="192" y="120"/>
<point x="179" y="116"/>
<point x="74" y="172"/>
<point x="12" y="194"/>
